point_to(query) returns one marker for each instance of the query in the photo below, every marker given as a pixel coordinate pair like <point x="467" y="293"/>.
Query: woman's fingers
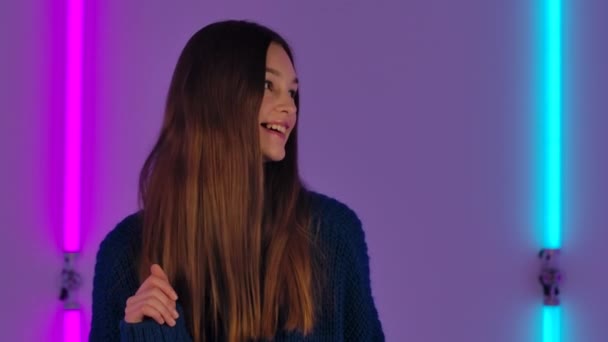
<point x="155" y="298"/>
<point x="157" y="271"/>
<point x="136" y="314"/>
<point x="155" y="282"/>
<point x="151" y="305"/>
<point x="161" y="298"/>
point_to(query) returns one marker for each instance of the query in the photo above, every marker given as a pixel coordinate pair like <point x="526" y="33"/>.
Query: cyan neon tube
<point x="552" y="323"/>
<point x="552" y="147"/>
<point x="552" y="124"/>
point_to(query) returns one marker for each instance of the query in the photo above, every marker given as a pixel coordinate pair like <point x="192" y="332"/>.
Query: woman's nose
<point x="287" y="105"/>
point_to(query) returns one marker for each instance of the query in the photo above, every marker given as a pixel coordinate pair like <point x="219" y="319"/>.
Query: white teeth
<point x="277" y="128"/>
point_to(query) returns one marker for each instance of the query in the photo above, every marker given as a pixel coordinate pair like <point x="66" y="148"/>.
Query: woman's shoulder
<point x="332" y="211"/>
<point x="125" y="235"/>
<point x="339" y="225"/>
<point x="114" y="266"/>
<point x="115" y="277"/>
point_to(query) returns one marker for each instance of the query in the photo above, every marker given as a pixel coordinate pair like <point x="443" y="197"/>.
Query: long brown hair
<point x="232" y="233"/>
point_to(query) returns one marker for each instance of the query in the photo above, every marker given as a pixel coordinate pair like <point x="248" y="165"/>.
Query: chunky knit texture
<point x="349" y="313"/>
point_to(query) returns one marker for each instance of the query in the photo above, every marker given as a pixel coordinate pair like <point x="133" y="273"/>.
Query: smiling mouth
<point x="277" y="130"/>
<point x="275" y="127"/>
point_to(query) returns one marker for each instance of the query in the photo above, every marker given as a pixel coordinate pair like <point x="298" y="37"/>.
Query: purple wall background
<point x="417" y="114"/>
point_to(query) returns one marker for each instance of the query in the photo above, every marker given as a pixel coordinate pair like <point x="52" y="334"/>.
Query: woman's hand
<point x="155" y="298"/>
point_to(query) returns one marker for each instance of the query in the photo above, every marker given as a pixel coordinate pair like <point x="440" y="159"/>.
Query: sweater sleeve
<point x="150" y="330"/>
<point x="110" y="287"/>
<point x="114" y="281"/>
<point x="361" y="321"/>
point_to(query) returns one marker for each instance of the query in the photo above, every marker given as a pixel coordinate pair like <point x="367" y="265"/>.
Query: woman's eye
<point x="270" y="86"/>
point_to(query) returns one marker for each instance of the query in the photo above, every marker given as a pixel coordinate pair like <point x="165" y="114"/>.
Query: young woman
<point x="229" y="245"/>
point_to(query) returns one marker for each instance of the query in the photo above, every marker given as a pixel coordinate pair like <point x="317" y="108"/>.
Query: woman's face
<point x="278" y="111"/>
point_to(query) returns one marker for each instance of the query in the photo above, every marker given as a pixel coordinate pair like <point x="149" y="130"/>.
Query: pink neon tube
<point x="73" y="123"/>
<point x="73" y="148"/>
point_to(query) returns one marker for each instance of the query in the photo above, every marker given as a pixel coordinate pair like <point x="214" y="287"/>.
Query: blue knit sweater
<point x="351" y="317"/>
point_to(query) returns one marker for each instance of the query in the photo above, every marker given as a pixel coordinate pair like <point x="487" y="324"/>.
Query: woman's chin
<point x="275" y="156"/>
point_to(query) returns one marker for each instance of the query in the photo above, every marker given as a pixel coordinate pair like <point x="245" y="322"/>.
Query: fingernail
<point x="175" y="314"/>
<point x="172" y="323"/>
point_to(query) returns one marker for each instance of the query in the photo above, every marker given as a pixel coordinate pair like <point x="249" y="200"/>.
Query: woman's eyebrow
<point x="278" y="73"/>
